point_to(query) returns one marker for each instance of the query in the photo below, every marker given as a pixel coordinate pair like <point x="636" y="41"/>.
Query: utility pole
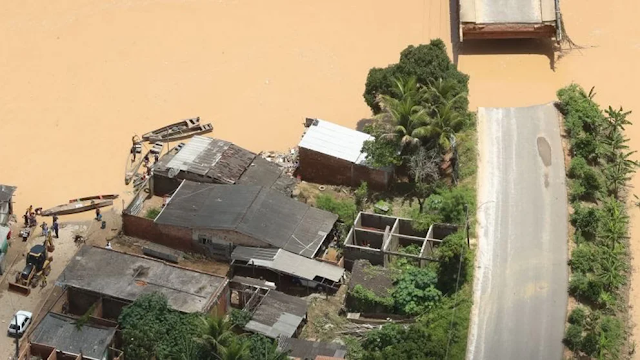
<point x="467" y="227"/>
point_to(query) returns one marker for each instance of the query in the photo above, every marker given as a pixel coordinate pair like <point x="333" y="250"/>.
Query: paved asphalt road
<point x="520" y="290"/>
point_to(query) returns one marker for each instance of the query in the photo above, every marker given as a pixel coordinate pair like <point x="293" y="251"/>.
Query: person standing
<point x="98" y="215"/>
<point x="55" y="226"/>
<point x="156" y="158"/>
<point x="45" y="229"/>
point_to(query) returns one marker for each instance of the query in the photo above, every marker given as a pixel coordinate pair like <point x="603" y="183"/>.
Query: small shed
<point x="278" y="314"/>
<point x="322" y="274"/>
<point x="305" y="349"/>
<point x="62" y="333"/>
<point x="332" y="154"/>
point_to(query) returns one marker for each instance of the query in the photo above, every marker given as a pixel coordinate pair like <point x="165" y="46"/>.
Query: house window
<point x="204" y="239"/>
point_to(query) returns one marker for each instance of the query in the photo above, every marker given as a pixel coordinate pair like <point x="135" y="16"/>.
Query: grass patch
<point x="152" y="213"/>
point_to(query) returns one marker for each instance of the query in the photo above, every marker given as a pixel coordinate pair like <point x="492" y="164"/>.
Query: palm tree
<point x="611" y="273"/>
<point x="613" y="145"/>
<point x="443" y="126"/>
<point x="404" y="113"/>
<point x="186" y="349"/>
<point x="614" y="223"/>
<point x="217" y="334"/>
<point x="617" y="119"/>
<point x="442" y="90"/>
<point x="236" y="350"/>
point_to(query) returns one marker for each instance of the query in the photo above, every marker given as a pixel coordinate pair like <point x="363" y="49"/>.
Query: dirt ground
<point x="65" y="249"/>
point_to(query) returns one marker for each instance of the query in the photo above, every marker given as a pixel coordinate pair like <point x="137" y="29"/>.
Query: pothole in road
<point x="544" y="150"/>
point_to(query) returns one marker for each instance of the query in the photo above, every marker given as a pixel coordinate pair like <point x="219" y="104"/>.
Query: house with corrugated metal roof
<point x="287" y="266"/>
<point x="214" y="218"/>
<point x="332" y="154"/>
<point x="214" y="161"/>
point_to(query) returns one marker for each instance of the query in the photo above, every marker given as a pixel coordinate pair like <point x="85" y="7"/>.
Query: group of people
<point x="55" y="227"/>
<point x="30" y="220"/>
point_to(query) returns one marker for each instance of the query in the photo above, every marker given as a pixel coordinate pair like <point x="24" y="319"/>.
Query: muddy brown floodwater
<point x="79" y="78"/>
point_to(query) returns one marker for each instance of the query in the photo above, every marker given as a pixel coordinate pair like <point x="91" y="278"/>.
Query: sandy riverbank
<point x="81" y="77"/>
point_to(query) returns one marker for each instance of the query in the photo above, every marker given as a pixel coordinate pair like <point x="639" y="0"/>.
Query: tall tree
<point x="443" y="126"/>
<point x="404" y="112"/>
<point x="217" y="334"/>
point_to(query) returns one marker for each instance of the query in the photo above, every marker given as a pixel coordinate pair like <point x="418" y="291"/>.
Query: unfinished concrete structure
<point x="505" y="19"/>
<point x="332" y="154"/>
<point x="108" y="280"/>
<point x="381" y="238"/>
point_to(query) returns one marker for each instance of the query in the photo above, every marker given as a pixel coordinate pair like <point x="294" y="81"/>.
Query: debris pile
<point x="288" y="160"/>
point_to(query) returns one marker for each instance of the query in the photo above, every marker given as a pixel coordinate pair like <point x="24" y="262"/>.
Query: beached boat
<point x="196" y="130"/>
<point x="132" y="166"/>
<point x="181" y="129"/>
<point x="76" y="207"/>
<point x="95" y="197"/>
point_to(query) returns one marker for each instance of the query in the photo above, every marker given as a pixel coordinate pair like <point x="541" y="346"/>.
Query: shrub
<point x="590" y="343"/>
<point x="345" y="209"/>
<point x="454" y="200"/>
<point x="580" y="111"/>
<point x="365" y="300"/>
<point x="239" y="318"/>
<point x="578" y="316"/>
<point x="415" y="291"/>
<point x="578" y="285"/>
<point x="152" y="213"/>
<point x="573" y="337"/>
<point x="586" y="220"/>
<point x="583" y="258"/>
<point x="577" y="167"/>
<point x="360" y="195"/>
<point x="382" y="153"/>
<point x="453" y="254"/>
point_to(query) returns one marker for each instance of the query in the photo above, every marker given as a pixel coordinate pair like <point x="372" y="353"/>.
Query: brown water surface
<point x="79" y="78"/>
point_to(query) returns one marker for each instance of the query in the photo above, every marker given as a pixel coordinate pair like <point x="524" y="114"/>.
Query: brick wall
<point x="324" y="169"/>
<point x="171" y="236"/>
<point x="319" y="168"/>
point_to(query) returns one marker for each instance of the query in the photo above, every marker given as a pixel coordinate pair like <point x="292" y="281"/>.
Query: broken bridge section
<point x="520" y="289"/>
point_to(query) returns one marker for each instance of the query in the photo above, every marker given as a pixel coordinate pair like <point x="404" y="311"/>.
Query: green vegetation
<point x="239" y="318"/>
<point x="368" y="302"/>
<point x="422" y="122"/>
<point x="152" y="213"/>
<point x="429" y="65"/>
<point x="599" y="170"/>
<point x="150" y="329"/>
<point x="345" y="209"/>
<point x="422" y="100"/>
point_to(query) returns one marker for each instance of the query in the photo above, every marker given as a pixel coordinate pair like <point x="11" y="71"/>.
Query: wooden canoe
<point x="95" y="197"/>
<point x="161" y="133"/>
<point x="196" y="130"/>
<point x="76" y="207"/>
<point x="132" y="167"/>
